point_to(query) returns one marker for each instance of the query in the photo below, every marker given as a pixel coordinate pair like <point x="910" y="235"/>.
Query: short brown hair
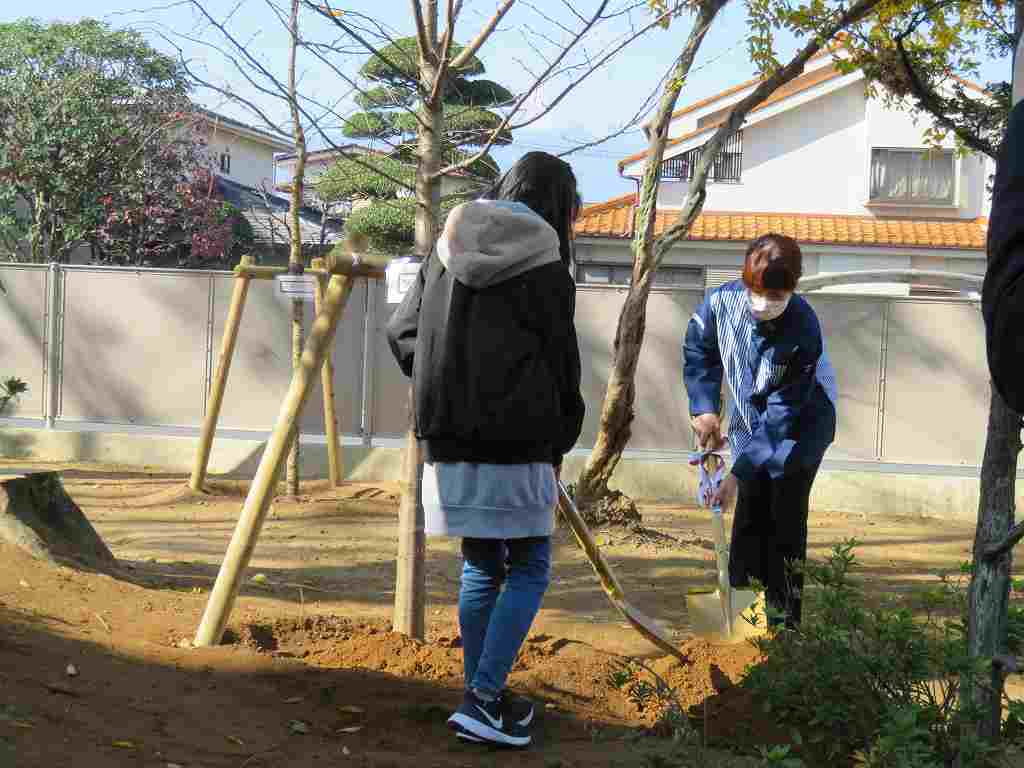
<point x="773" y="263"/>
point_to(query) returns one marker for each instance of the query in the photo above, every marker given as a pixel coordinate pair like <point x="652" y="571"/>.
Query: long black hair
<point x="546" y="185"/>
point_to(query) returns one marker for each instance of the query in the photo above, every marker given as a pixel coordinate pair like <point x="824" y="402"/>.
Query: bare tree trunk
<point x="295" y="261"/>
<point x="617" y="409"/>
<point x="35" y="243"/>
<point x="410" y="577"/>
<point x="292" y="468"/>
<point x="989" y="593"/>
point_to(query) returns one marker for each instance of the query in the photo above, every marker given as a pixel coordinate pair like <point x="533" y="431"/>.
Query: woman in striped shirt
<point x="766" y="343"/>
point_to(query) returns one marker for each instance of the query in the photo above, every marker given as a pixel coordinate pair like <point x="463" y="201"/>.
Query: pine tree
<point x="389" y="122"/>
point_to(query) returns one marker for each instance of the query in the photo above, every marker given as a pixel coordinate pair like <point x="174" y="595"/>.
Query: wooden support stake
<point x="220" y="378"/>
<point x="411" y="575"/>
<point x="335" y="463"/>
<point x="257" y="502"/>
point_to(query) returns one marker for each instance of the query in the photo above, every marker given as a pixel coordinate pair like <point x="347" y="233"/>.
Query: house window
<point x="725" y="169"/>
<point x="715" y="277"/>
<point x="622" y="275"/>
<point x="913" y="176"/>
<point x="225" y="162"/>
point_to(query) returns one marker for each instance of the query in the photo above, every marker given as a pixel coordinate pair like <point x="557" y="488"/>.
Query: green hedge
<point x="389" y="225"/>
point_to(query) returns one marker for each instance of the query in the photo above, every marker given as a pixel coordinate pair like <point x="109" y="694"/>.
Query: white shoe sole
<point x="473" y="730"/>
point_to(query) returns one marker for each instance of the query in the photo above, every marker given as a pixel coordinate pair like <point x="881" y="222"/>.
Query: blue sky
<point x="597" y="107"/>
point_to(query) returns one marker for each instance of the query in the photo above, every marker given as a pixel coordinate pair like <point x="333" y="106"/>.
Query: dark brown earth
<point x="311" y="674"/>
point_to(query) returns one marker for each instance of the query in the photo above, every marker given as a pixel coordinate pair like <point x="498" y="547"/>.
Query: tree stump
<point x="38" y="516"/>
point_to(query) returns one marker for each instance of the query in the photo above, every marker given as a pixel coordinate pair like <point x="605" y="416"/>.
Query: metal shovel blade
<point x="725" y="615"/>
<point x="745" y="619"/>
<point x="642" y="623"/>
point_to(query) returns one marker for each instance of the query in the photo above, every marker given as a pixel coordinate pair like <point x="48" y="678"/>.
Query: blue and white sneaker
<point x="520" y="708"/>
<point x="491" y="722"/>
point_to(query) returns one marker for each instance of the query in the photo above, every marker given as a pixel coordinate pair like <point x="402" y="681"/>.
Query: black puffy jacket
<point x="487" y="334"/>
<point x="1003" y="295"/>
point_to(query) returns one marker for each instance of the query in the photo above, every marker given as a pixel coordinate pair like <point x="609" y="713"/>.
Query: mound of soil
<point x="616" y="509"/>
<point x="567" y="676"/>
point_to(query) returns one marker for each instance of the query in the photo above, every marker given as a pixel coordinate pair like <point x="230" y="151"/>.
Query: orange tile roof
<point x="799" y="85"/>
<point x="614" y="219"/>
<point x="972" y="86"/>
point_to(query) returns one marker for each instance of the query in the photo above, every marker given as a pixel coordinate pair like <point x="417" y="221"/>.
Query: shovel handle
<point x="586" y="540"/>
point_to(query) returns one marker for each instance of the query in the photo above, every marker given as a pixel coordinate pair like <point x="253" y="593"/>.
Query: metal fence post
<point x="882" y="378"/>
<point x="52" y="352"/>
<point x="369" y="361"/>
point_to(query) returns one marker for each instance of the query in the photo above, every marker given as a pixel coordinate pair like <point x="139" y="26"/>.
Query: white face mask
<point x="764" y="309"/>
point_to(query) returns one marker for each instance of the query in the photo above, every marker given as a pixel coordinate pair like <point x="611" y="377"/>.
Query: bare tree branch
<point x="316" y="50"/>
<point x="572" y="10"/>
<point x="640" y="115"/>
<point x="274" y="218"/>
<point x="356" y="158"/>
<point x="929" y="101"/>
<point x="496" y="133"/>
<point x="470" y="50"/>
<point x="443" y="49"/>
<point x="506" y="123"/>
<point x="299" y="174"/>
<point x="344" y="27"/>
<point x="553" y="21"/>
<point x="280" y="93"/>
<point x="527" y="28"/>
<point x="430" y="21"/>
<point x="422" y="43"/>
<point x="594" y="68"/>
<point x="229" y="94"/>
<point x="995" y="551"/>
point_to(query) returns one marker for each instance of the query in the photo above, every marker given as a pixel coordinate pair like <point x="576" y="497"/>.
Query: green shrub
<point x="873" y="685"/>
<point x="10" y="389"/>
<point x="389" y="225"/>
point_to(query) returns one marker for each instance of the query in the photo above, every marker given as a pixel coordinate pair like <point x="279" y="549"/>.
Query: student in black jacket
<point x="1003" y="297"/>
<point x="487" y="335"/>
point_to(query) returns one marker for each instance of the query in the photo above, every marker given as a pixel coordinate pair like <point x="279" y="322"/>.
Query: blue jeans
<point x="495" y="621"/>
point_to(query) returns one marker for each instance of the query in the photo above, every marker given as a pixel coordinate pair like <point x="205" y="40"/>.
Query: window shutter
<point x="716" y="276"/>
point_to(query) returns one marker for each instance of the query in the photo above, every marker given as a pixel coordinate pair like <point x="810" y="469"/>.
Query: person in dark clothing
<point x="767" y="345"/>
<point x="1002" y="300"/>
<point x="487" y="335"/>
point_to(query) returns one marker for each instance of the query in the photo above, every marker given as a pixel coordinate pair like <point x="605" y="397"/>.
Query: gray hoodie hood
<point x="486" y="242"/>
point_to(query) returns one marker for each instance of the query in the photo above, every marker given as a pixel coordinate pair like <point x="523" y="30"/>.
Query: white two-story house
<point x="242" y="153"/>
<point x="244" y="159"/>
<point x="822" y="160"/>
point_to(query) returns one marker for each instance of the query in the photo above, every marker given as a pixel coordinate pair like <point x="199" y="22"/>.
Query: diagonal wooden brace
<point x="257" y="502"/>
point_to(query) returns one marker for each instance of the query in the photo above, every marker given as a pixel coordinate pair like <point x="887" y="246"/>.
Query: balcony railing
<point x="727" y="168"/>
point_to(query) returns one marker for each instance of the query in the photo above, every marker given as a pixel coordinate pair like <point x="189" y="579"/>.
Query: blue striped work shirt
<point x="782" y="383"/>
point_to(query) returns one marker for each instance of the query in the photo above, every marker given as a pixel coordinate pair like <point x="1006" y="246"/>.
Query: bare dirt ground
<point x="310" y="674"/>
